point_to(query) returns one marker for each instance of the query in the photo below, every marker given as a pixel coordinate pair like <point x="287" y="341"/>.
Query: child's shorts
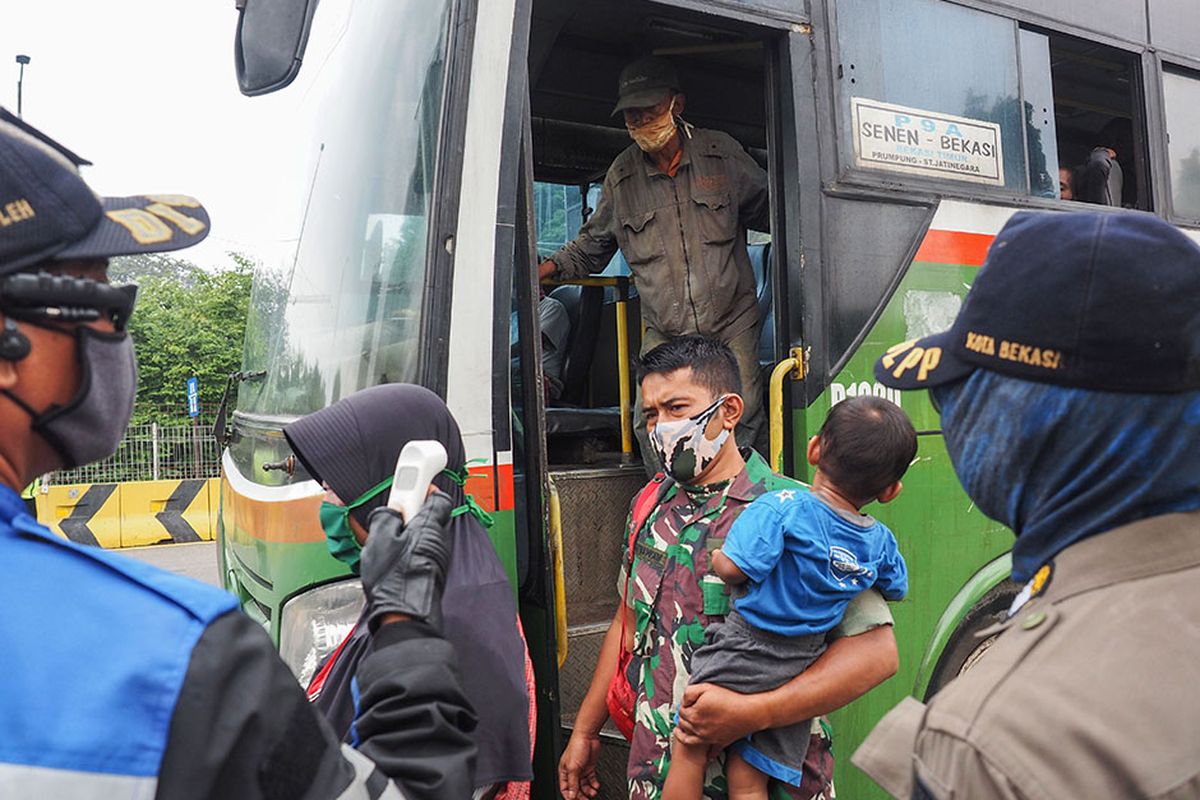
<point x="747" y="660"/>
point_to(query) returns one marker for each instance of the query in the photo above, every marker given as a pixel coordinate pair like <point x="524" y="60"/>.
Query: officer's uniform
<point x="124" y="681"/>
<point x="1105" y="657"/>
<point x="1068" y="390"/>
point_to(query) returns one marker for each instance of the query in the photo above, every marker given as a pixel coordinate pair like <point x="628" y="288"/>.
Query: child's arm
<point x="728" y="571"/>
<point x="892" y="580"/>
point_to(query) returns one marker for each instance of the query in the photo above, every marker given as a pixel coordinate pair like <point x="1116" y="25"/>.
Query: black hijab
<point x="353" y="445"/>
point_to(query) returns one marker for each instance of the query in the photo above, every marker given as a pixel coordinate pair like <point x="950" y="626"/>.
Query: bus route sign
<point x="926" y="143"/>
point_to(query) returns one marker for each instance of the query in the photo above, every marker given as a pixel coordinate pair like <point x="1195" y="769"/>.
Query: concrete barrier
<point x="130" y="514"/>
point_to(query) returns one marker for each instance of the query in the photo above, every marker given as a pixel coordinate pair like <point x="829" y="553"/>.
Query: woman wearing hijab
<point x="351" y="448"/>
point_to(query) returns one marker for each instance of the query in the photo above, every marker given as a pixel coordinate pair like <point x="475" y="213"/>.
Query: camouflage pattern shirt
<point x="674" y="596"/>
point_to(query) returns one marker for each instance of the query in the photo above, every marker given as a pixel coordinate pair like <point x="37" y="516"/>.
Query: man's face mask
<point x="684" y="446"/>
<point x="653" y="136"/>
<point x="90" y="427"/>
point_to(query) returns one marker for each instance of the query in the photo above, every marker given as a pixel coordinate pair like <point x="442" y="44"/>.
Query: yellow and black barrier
<point x="131" y="514"/>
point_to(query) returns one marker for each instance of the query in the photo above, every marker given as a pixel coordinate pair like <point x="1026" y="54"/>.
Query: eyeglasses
<point x="43" y="297"/>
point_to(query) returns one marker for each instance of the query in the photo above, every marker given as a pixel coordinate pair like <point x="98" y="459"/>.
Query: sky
<point x="146" y="90"/>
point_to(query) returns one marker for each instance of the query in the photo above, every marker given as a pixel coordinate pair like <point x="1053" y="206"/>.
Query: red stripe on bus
<point x="483" y="485"/>
<point x="954" y="247"/>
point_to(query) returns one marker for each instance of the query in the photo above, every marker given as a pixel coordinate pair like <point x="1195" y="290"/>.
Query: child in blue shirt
<point x="796" y="558"/>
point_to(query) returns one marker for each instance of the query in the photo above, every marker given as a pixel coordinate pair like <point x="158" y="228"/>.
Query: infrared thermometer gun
<point x="418" y="465"/>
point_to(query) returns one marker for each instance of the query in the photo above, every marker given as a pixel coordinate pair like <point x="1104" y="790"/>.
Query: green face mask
<point x="339" y="536"/>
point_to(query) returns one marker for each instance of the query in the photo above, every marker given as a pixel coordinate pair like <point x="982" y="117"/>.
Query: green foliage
<point x="188" y="322"/>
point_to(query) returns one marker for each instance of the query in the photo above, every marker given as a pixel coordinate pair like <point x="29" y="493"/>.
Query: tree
<point x="188" y="322"/>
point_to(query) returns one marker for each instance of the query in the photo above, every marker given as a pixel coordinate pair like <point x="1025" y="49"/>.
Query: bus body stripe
<point x="954" y="247"/>
<point x="293" y="520"/>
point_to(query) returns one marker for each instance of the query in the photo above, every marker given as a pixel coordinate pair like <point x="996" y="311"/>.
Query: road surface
<point x="198" y="560"/>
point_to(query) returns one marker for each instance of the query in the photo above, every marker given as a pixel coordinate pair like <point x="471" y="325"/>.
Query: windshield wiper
<point x="219" y="433"/>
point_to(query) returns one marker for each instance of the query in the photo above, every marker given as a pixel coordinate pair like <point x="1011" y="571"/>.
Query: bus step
<point x="595" y="504"/>
<point x="575" y="675"/>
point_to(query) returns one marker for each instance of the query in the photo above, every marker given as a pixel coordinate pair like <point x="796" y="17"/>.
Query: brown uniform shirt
<point x="684" y="237"/>
<point x="1093" y="690"/>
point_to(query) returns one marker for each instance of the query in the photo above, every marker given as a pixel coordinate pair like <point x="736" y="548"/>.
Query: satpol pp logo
<point x="845" y="567"/>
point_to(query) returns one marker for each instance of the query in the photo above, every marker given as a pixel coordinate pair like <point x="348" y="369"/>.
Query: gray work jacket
<point x="1090" y="692"/>
<point x="684" y="237"/>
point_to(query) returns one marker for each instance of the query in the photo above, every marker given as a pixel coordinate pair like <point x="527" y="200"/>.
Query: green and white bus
<point x="451" y="144"/>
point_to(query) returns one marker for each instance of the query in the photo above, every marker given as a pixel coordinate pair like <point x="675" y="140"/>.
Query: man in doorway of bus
<point x="122" y="680"/>
<point x="1069" y="393"/>
<point x="678" y="202"/>
<point x="692" y="403"/>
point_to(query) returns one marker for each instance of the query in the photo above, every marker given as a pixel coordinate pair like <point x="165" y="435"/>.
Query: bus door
<point x="573" y="344"/>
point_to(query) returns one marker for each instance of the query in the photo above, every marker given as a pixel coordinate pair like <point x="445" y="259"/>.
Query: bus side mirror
<point x="269" y="43"/>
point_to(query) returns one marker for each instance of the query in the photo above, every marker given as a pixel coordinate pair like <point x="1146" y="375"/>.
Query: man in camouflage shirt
<point x="692" y="405"/>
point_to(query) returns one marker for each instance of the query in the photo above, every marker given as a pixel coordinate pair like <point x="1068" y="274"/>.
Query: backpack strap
<point x="647" y="500"/>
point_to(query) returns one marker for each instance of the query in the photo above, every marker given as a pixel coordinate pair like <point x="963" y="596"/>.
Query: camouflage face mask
<point x="684" y="448"/>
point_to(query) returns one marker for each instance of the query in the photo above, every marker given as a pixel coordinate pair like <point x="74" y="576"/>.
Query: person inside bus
<point x="124" y="680"/>
<point x="351" y="447"/>
<point x="677" y="203"/>
<point x="1066" y="183"/>
<point x="1079" y="433"/>
<point x="691" y="398"/>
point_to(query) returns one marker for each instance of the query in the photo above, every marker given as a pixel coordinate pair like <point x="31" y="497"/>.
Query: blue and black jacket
<point x="119" y="680"/>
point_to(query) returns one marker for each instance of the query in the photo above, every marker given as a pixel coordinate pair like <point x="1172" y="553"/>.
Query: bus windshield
<point x="344" y="312"/>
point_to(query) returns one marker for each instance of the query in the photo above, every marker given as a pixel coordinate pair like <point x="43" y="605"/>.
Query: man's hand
<point x="404" y="566"/>
<point x="577" y="767"/>
<point x="714" y="716"/>
<point x="546" y="269"/>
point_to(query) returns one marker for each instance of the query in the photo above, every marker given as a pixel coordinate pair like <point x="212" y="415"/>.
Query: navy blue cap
<point x="47" y="211"/>
<point x="1101" y="301"/>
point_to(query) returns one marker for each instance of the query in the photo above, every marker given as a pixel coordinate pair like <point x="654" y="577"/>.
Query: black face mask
<point x="90" y="427"/>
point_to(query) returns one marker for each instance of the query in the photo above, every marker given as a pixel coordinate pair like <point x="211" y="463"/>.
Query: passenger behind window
<point x="1066" y="183"/>
<point x="1101" y="179"/>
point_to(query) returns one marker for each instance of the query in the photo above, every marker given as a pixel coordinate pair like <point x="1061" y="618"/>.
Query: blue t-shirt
<point x="806" y="561"/>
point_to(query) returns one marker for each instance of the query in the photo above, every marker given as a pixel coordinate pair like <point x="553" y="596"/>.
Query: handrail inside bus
<point x="624" y="383"/>
<point x="558" y="577"/>
<point x="795" y="366"/>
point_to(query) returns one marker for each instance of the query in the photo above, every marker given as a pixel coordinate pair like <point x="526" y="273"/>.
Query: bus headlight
<point x="314" y="623"/>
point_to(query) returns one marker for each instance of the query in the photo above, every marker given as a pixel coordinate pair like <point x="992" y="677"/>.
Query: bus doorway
<point x="574" y="342"/>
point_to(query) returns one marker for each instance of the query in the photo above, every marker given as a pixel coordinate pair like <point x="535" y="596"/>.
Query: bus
<point x="446" y="146"/>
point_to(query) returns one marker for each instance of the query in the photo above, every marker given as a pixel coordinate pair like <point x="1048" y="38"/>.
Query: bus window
<point x="931" y="89"/>
<point x="1181" y="94"/>
<point x="559" y="211"/>
<point x="1096" y="107"/>
<point x="1041" y="136"/>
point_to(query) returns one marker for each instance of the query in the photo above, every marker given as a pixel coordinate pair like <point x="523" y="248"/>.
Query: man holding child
<point x="692" y="403"/>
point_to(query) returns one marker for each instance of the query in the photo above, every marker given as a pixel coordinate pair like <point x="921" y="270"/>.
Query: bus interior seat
<point x="760" y="262"/>
<point x="584" y="305"/>
<point x="593" y="379"/>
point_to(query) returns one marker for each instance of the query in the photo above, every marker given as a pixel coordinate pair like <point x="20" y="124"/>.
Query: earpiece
<point x="14" y="345"/>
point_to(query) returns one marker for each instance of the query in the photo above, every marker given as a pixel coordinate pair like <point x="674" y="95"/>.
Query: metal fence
<point x="153" y="452"/>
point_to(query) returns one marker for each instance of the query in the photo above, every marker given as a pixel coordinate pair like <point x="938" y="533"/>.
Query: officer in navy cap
<point x="1069" y="394"/>
<point x="123" y="681"/>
